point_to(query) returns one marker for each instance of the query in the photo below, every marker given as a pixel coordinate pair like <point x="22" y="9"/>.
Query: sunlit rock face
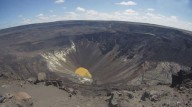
<point x="109" y="52"/>
<point x="59" y="61"/>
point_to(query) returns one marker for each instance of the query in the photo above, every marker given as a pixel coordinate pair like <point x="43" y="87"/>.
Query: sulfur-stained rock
<point x="41" y="76"/>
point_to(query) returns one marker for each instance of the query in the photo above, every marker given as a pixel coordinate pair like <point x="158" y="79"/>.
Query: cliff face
<point x="113" y="52"/>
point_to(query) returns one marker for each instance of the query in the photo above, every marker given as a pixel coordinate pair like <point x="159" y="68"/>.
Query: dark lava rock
<point x="145" y="95"/>
<point x="182" y="78"/>
<point x="120" y="98"/>
<point x="151" y="95"/>
<point x="2" y="98"/>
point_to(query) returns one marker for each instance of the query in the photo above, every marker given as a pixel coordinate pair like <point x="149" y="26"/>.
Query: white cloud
<point x="80" y="9"/>
<point x="127" y="3"/>
<point x="26" y="21"/>
<point x="70" y="16"/>
<point x="151" y="9"/>
<point x="130" y="11"/>
<point x="91" y="12"/>
<point x="59" y="1"/>
<point x="42" y="17"/>
<point x="53" y="15"/>
<point x="86" y="12"/>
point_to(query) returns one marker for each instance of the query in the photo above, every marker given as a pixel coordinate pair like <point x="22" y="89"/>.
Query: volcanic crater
<point x="95" y="52"/>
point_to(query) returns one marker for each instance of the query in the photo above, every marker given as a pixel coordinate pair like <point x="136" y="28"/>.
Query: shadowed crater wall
<point x="110" y="51"/>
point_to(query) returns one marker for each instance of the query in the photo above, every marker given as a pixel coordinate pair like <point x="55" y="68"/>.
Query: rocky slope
<point x="24" y="94"/>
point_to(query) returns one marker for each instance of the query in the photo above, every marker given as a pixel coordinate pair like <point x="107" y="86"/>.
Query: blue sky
<point x="175" y="13"/>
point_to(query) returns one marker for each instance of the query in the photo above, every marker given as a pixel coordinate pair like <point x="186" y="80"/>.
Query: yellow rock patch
<point x="22" y="96"/>
<point x="83" y="72"/>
